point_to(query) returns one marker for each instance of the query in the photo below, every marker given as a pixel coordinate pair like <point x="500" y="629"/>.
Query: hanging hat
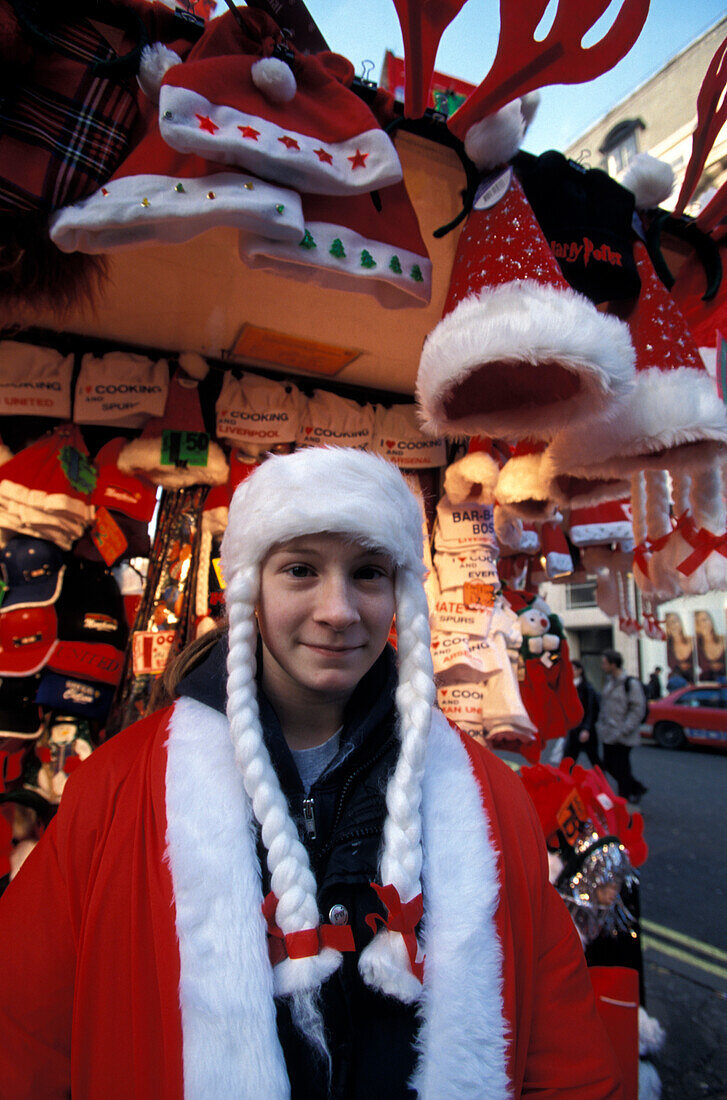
<point x="92" y="632"/>
<point x="517" y="353"/>
<point x="124" y="509"/>
<point x="120" y="389"/>
<point x="673" y="419"/>
<point x="34" y="381"/>
<point x="473" y="477"/>
<point x="233" y="102"/>
<point x="175" y="451"/>
<point x="329" y="420"/>
<point x="20" y="718"/>
<point x="257" y="414"/>
<point x="607" y="522"/>
<point x="33" y="570"/>
<point x="28" y="636"/>
<point x="349" y="244"/>
<point x="365" y="498"/>
<point x="45" y="489"/>
<point x="521" y="487"/>
<point x="160" y="194"/>
<point x="398" y="437"/>
<point x="555" y="552"/>
<point x="71" y="695"/>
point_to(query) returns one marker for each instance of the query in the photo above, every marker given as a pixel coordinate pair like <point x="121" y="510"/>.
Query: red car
<point x="695" y="715"/>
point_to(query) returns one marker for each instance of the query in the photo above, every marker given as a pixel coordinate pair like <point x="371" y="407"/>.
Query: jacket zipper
<point x="309" y="818"/>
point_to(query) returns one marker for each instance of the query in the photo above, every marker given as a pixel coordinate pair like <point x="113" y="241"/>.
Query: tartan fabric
<point x="64" y="129"/>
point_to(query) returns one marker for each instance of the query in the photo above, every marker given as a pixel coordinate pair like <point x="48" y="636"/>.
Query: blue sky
<point x="362" y="29"/>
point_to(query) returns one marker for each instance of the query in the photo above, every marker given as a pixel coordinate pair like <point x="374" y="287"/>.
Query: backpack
<point x="644" y="696"/>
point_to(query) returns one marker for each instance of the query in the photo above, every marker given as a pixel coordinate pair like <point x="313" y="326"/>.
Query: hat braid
<point x="384" y="964"/>
<point x="291" y="878"/>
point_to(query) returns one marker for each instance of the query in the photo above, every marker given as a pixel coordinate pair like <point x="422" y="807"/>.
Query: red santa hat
<point x="673" y="419"/>
<point x="603" y="523"/>
<point x="233" y="102"/>
<point x="155" y="457"/>
<point x="517" y="353"/>
<point x="349" y="244"/>
<point x="45" y="490"/>
<point x="159" y="194"/>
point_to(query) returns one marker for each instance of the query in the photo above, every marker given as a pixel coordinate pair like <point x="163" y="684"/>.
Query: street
<point x="683" y="911"/>
<point x="684" y="930"/>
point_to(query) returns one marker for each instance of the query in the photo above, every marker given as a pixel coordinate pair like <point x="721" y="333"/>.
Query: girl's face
<point x="325" y="612"/>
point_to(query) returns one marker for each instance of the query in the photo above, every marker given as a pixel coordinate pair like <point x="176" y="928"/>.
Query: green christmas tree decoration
<point x="395" y="265"/>
<point x="416" y="274"/>
<point x="367" y="259"/>
<point x="308" y="241"/>
<point x="337" y="249"/>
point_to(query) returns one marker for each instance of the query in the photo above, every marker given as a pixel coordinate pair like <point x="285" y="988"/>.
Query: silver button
<point x="338" y="914"/>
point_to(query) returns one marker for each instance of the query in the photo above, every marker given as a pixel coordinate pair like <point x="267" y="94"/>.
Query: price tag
<point x="571" y="816"/>
<point x="478" y="594"/>
<point x="107" y="536"/>
<point x="218" y="573"/>
<point x="185" y="448"/>
<point x="150" y="650"/>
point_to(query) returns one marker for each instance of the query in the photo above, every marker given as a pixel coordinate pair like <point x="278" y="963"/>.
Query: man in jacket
<point x="619" y="721"/>
<point x="583" y="737"/>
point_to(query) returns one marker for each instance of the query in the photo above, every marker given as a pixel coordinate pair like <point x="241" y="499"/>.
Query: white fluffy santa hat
<point x="362" y="496"/>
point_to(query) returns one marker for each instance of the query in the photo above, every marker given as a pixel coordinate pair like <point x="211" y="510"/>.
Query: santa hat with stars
<point x="293" y="121"/>
<point x="160" y="195"/>
<point x="673" y="419"/>
<point x="349" y="244"/>
<point x="517" y="354"/>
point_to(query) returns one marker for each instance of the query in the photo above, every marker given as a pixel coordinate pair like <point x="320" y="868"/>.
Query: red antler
<point x="423" y="23"/>
<point x="522" y="63"/>
<point x="711" y="116"/>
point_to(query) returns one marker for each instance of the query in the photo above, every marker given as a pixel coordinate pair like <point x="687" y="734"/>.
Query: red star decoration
<point x="249" y="132"/>
<point x="289" y="142"/>
<point x="323" y="156"/>
<point x="207" y="124"/>
<point x="358" y="160"/>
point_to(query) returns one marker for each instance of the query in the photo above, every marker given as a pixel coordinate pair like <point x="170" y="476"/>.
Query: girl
<point x="299" y="880"/>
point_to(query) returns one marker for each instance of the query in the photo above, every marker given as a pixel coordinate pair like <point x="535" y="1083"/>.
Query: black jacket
<point x="370" y="1036"/>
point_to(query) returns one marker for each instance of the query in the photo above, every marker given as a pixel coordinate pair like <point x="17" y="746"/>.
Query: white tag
<point x="463" y="525"/>
<point x="150" y="651"/>
<point x="491" y="191"/>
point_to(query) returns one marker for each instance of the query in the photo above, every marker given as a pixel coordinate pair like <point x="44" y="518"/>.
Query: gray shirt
<point x="313" y="762"/>
<point x="619" y="715"/>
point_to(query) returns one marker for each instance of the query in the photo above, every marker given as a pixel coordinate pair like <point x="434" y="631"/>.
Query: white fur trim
<point x="528" y="323"/>
<point x="156" y="60"/>
<point x="116" y="216"/>
<point x="394" y="287"/>
<point x="472" y="477"/>
<point x="301" y="169"/>
<point x="496" y="139"/>
<point x="529" y="104"/>
<point x="649" y="1081"/>
<point x="462" y="1042"/>
<point x="335" y="489"/>
<point x="143" y="456"/>
<point x="651" y="1033"/>
<point x="274" y="78"/>
<point x="521" y="487"/>
<point x="647" y="430"/>
<point x="230" y="1041"/>
<point x="593" y="534"/>
<point x="558" y="565"/>
<point x="651" y="181"/>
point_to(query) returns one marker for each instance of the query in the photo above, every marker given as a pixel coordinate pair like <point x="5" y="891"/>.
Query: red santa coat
<point x="135" y="953"/>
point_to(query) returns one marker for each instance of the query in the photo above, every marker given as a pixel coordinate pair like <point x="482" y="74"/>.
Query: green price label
<point x="185" y="448"/>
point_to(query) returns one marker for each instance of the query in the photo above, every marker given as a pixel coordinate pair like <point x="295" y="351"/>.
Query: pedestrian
<point x="676" y="680"/>
<point x="654" y="684"/>
<point x="229" y="902"/>
<point x="583" y="737"/>
<point x="620" y="716"/>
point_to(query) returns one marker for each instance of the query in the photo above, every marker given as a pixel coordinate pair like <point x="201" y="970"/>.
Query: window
<point x="701" y="697"/>
<point x="621" y="145"/>
<point x="580" y="595"/>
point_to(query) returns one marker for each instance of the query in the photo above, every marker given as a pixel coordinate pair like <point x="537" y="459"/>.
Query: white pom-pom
<point x="651" y="1033"/>
<point x="651" y="180"/>
<point x="495" y="139"/>
<point x="156" y="61"/>
<point x="274" y="79"/>
<point x="529" y="105"/>
<point x="384" y="965"/>
<point x="193" y="365"/>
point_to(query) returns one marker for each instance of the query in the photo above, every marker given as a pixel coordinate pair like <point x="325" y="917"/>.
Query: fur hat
<point x="360" y="495"/>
